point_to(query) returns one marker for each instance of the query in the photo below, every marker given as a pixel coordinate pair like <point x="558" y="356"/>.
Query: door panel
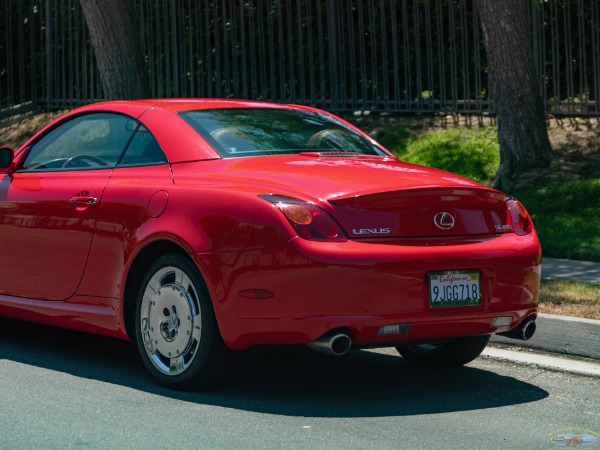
<point x="47" y="220"/>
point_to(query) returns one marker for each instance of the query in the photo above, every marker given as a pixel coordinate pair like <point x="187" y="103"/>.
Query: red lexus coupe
<point x="198" y="228"/>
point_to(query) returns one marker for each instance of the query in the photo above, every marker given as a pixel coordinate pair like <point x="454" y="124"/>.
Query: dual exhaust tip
<point x="336" y="343"/>
<point x="333" y="343"/>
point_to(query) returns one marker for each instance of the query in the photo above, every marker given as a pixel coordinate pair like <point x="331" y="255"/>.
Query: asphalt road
<point x="61" y="389"/>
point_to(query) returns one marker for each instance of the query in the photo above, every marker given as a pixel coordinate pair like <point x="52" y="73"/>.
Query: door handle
<point x="83" y="201"/>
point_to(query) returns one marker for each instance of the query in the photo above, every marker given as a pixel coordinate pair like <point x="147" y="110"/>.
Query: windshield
<point x="236" y="132"/>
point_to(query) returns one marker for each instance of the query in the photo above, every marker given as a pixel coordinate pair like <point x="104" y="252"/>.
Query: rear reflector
<point x="502" y="321"/>
<point x="399" y="328"/>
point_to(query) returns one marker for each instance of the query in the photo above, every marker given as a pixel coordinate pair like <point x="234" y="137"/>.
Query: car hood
<point x="369" y="196"/>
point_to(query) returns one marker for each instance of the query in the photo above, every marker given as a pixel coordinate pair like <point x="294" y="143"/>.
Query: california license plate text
<point x="454" y="288"/>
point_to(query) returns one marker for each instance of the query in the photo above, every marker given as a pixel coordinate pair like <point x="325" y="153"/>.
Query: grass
<point x="566" y="215"/>
<point x="570" y="298"/>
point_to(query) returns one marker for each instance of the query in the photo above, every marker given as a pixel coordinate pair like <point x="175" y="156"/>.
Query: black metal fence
<point x="413" y="56"/>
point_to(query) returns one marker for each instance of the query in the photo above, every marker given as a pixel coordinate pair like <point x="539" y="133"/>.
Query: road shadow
<point x="291" y="382"/>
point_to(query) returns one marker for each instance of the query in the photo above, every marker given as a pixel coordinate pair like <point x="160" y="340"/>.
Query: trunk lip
<point x="363" y="198"/>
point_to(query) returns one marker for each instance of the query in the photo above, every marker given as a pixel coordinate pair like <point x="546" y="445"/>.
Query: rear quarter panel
<point x="199" y="219"/>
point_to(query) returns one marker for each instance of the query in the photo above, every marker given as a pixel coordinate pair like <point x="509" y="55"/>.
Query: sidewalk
<point x="563" y="334"/>
<point x="569" y="270"/>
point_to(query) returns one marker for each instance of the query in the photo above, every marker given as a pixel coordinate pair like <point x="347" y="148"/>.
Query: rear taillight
<point x="307" y="219"/>
<point x="521" y="222"/>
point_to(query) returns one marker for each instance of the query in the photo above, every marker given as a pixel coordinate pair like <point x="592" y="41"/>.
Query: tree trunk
<point x="117" y="45"/>
<point x="522" y="131"/>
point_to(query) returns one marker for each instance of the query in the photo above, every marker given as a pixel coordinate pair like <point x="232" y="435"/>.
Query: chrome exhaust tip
<point x="528" y="329"/>
<point x="332" y="343"/>
<point x="524" y="331"/>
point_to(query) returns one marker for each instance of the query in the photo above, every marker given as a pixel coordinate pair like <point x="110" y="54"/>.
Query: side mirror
<point x="6" y="158"/>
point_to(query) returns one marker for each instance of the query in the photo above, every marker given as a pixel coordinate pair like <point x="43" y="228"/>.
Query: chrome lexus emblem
<point x="444" y="220"/>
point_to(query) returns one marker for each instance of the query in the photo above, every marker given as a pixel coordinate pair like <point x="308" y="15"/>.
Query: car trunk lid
<point x="423" y="212"/>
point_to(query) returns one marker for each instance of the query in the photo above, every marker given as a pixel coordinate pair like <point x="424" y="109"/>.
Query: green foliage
<point x="395" y="139"/>
<point x="473" y="153"/>
<point x="566" y="215"/>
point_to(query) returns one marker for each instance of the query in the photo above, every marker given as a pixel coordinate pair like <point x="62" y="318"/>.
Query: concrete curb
<point x="548" y="362"/>
<point x="555" y="363"/>
<point x="561" y="334"/>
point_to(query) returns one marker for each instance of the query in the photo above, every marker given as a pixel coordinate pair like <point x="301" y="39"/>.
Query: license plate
<point x="454" y="288"/>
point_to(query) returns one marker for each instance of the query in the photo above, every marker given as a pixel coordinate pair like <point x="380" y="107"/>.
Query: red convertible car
<point x="198" y="228"/>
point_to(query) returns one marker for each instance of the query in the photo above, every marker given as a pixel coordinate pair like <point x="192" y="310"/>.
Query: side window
<point x="143" y="150"/>
<point x="89" y="141"/>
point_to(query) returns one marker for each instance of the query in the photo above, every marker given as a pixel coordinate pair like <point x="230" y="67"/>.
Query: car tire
<point x="444" y="355"/>
<point x="176" y="331"/>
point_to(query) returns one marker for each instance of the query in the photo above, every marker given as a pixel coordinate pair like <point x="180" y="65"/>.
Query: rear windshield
<point x="237" y="132"/>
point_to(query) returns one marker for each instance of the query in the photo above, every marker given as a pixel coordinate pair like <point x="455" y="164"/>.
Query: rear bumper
<point x="364" y="286"/>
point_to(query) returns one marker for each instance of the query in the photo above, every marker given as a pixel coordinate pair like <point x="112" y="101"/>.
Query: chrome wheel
<point x="176" y="331"/>
<point x="170" y="320"/>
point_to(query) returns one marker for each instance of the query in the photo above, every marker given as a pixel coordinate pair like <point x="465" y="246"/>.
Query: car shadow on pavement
<point x="291" y="382"/>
